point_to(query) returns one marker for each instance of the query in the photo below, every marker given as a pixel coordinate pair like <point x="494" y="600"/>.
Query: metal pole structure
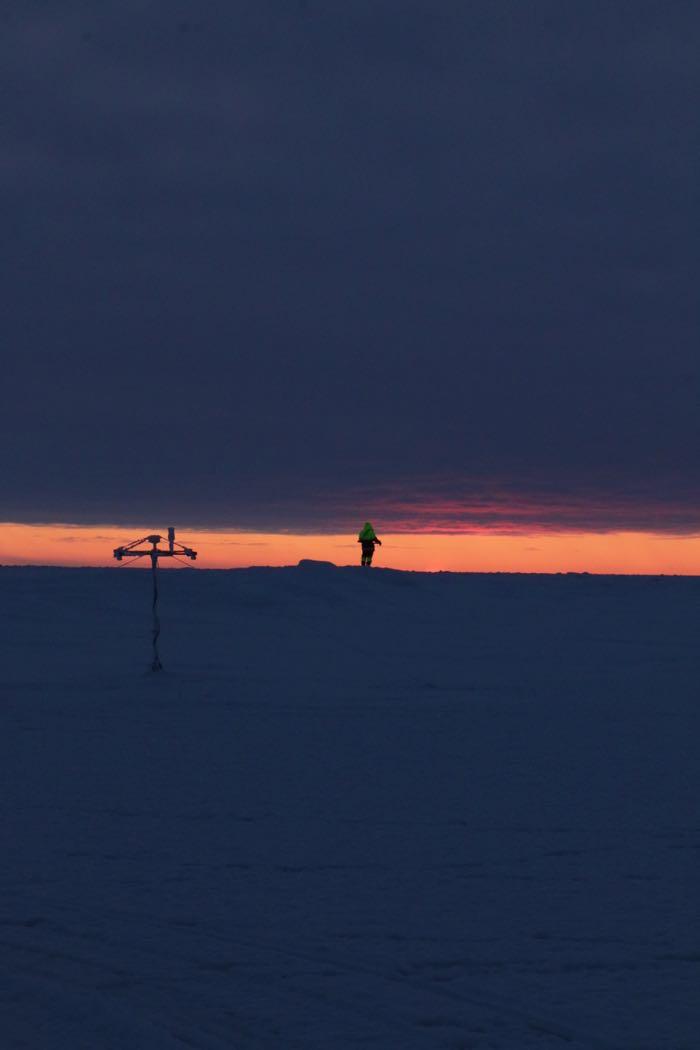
<point x="173" y="550"/>
<point x="156" y="665"/>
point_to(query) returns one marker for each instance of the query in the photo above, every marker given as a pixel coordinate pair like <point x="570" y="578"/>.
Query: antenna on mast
<point x="173" y="550"/>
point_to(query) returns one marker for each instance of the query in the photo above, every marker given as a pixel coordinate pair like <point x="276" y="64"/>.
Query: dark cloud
<point x="267" y="263"/>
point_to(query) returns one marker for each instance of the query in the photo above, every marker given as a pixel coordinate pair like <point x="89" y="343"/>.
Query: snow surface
<point x="360" y="808"/>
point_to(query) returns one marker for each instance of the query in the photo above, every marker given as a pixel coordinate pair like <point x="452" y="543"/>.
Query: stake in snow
<point x="173" y="550"/>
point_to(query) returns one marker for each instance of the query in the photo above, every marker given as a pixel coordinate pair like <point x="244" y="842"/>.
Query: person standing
<point x="369" y="539"/>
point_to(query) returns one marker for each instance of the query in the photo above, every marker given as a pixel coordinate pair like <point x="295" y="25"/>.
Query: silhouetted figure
<point x="368" y="538"/>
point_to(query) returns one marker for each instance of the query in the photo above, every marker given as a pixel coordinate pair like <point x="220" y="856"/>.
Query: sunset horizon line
<point x="535" y="551"/>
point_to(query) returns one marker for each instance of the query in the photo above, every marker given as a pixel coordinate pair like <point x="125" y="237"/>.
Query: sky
<point x="278" y="267"/>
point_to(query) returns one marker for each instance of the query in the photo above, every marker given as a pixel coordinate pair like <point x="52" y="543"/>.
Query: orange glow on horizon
<point x="542" y="551"/>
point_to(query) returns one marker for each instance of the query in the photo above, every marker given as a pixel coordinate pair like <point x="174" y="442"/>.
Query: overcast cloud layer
<point x="283" y="265"/>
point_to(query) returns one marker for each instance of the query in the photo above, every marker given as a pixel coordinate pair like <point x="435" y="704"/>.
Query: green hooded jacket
<point x="367" y="533"/>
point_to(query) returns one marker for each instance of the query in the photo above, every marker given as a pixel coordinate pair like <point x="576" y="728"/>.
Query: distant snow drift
<point x="360" y="809"/>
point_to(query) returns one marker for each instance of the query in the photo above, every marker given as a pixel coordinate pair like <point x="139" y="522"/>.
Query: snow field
<point x="373" y="808"/>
